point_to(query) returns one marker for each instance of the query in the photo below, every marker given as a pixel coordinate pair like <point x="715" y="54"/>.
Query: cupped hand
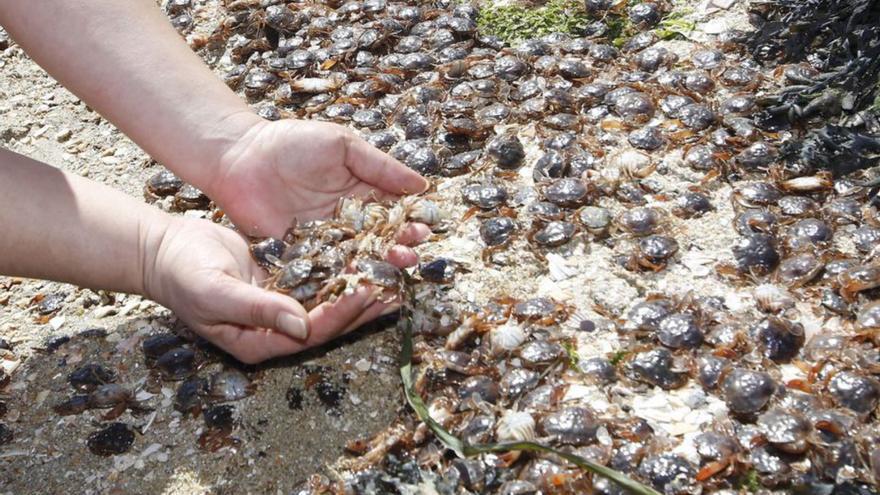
<point x="205" y="274"/>
<point x="289" y="169"/>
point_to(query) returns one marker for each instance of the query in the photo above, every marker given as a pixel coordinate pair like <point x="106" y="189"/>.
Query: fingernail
<point x="294" y="326"/>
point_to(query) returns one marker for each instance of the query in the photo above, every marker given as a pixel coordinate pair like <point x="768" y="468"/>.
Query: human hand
<point x="290" y="169"/>
<point x="205" y="274"/>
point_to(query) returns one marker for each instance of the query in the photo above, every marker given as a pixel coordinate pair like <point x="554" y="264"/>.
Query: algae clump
<point x="513" y="23"/>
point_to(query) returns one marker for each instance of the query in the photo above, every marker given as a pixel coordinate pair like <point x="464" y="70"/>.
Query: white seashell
<point x="515" y="426"/>
<point x="699" y="264"/>
<point x="559" y="269"/>
<point x="507" y="337"/>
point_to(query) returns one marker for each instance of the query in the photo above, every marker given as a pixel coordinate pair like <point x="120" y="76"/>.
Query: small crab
<point x="670" y="473"/>
<point x="656" y="367"/>
<point x="228" y="386"/>
<point x="860" y="394"/>
<point x="785" y="430"/>
<point x="755" y="194"/>
<point x="799" y="269"/>
<point x="541" y="311"/>
<point x="190" y="198"/>
<point x="798" y="206"/>
<point x="114" y="439"/>
<point x="756" y="254"/>
<point x="190" y="394"/>
<point x="155" y="346"/>
<point x="177" y="364"/>
<point x="747" y="391"/>
<point x="857" y="279"/>
<point x="552" y="165"/>
<point x="779" y="339"/>
<point x="539" y="354"/>
<point x="640" y="222"/>
<point x="720" y="450"/>
<point x="380" y="274"/>
<point x="268" y="252"/>
<point x="681" y="330"/>
<point x="439" y="270"/>
<point x="808" y="184"/>
<point x="570" y="426"/>
<point x="568" y="192"/>
<point x="361" y="215"/>
<point x="484" y="196"/>
<point x="652" y="253"/>
<point x="743" y="77"/>
<point x="111" y="396"/>
<point x="162" y="184"/>
<point x="90" y="376"/>
<point x="755" y="221"/>
<point x="692" y="204"/>
<point x="507" y="151"/>
<point x="497" y="232"/>
<point x="551" y="234"/>
<point x="808" y="234"/>
<point x="595" y="220"/>
<point x="219" y="423"/>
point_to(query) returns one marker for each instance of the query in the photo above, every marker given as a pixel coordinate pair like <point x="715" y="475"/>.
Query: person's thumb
<point x="247" y="305"/>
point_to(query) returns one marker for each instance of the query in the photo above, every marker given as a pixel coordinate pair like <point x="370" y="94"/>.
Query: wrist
<point x="204" y="164"/>
<point x="153" y="231"/>
<point x="228" y="165"/>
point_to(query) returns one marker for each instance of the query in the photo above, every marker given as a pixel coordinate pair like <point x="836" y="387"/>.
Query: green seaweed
<point x="571" y="352"/>
<point x="618" y="357"/>
<point x="620" y="29"/>
<point x="748" y="481"/>
<point x="513" y="23"/>
<point x="675" y="26"/>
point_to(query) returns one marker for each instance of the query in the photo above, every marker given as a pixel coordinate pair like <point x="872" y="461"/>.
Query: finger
<point x="237" y="302"/>
<point x="413" y="233"/>
<point x="379" y="169"/>
<point x="253" y="345"/>
<point x="248" y="345"/>
<point x="330" y="320"/>
<point x="402" y="257"/>
<point x="375" y="311"/>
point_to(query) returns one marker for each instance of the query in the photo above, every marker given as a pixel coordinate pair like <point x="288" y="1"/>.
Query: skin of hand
<point x="278" y="171"/>
<point x="205" y="273"/>
<point x="290" y="169"/>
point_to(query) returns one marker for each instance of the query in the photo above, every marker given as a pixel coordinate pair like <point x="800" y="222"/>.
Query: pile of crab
<point x="97" y="386"/>
<point x="633" y="260"/>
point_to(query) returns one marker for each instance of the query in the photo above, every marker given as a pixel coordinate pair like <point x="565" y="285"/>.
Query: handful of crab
<point x="318" y="261"/>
